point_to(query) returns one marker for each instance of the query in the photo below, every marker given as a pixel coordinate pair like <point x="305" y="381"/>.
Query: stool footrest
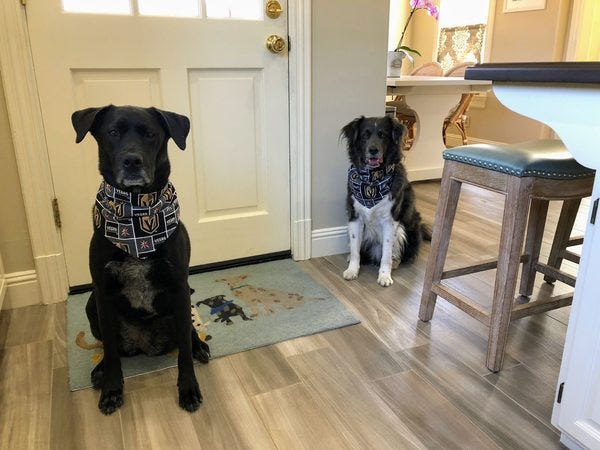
<point x="540" y="306"/>
<point x="555" y="274"/>
<point x="462" y="302"/>
<point x="571" y="256"/>
<point x="575" y="240"/>
<point x="488" y="264"/>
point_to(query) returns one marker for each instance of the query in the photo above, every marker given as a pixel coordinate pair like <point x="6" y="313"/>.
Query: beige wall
<point x="520" y="37"/>
<point x="349" y="41"/>
<point x="14" y="238"/>
<point x="422" y="35"/>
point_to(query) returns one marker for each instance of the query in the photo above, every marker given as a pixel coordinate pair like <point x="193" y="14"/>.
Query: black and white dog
<point x="384" y="225"/>
<point x="140" y="250"/>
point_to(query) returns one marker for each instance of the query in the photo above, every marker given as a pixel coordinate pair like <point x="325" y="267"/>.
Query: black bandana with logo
<point x="370" y="186"/>
<point x="136" y="223"/>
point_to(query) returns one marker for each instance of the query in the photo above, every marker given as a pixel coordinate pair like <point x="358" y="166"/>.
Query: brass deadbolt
<point x="276" y="44"/>
<point x="274" y="9"/>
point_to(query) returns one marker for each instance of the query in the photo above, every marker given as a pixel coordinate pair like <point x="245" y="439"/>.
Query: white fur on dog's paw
<point x="350" y="274"/>
<point x="385" y="279"/>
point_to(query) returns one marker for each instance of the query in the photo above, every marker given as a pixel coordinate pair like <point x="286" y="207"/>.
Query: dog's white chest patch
<point x="133" y="276"/>
<point x="374" y="217"/>
<point x="377" y="224"/>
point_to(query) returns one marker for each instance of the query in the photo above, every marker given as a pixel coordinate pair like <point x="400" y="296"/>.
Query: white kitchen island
<point x="566" y="96"/>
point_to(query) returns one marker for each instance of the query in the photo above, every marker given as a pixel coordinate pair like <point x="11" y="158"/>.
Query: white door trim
<point x="31" y="153"/>
<point x="299" y="29"/>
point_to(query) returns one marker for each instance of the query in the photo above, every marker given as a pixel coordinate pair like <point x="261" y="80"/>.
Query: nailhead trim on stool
<point x="544" y="158"/>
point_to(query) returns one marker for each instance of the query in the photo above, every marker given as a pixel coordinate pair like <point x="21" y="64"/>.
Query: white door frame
<point x="31" y="153"/>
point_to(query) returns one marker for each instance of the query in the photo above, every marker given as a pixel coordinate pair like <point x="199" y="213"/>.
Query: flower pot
<point x="394" y="63"/>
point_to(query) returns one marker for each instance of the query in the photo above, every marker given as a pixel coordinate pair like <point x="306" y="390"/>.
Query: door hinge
<point x="56" y="212"/>
<point x="289" y="43"/>
<point x="594" y="211"/>
<point x="560" y="392"/>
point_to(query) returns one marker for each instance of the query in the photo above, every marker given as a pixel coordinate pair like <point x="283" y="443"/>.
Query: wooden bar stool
<point x="529" y="174"/>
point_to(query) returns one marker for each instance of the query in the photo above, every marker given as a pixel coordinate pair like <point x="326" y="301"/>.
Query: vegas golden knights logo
<point x="116" y="207"/>
<point x="97" y="219"/>
<point x="370" y="192"/>
<point x="149" y="223"/>
<point x="147" y="199"/>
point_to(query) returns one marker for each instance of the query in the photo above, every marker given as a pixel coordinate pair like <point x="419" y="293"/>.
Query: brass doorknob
<point x="273" y="9"/>
<point x="276" y="44"/>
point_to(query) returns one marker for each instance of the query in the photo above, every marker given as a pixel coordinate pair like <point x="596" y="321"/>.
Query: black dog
<point x="223" y="308"/>
<point x="139" y="252"/>
<point x="384" y="225"/>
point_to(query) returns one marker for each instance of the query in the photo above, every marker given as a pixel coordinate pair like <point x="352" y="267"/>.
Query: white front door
<point x="208" y="60"/>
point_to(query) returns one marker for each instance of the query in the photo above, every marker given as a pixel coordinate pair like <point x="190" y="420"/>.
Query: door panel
<point x="233" y="178"/>
<point x="228" y="141"/>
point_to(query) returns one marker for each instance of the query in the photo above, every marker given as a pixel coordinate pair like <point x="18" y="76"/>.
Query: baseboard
<point x="424" y="174"/>
<point x="22" y="289"/>
<point x="329" y="241"/>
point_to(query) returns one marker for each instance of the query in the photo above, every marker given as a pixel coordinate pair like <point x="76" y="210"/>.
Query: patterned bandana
<point x="136" y="223"/>
<point x="370" y="186"/>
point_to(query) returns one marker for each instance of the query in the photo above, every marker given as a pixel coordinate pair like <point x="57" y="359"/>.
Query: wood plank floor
<point x="390" y="382"/>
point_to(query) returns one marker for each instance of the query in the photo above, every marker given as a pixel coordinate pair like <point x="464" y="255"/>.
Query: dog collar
<point x="370" y="186"/>
<point x="136" y="223"/>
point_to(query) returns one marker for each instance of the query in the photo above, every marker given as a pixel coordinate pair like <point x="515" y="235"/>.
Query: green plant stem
<point x="412" y="11"/>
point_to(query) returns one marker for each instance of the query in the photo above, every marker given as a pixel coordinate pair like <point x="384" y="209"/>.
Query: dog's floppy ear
<point x="350" y="131"/>
<point x="398" y="130"/>
<point x="176" y="125"/>
<point x="83" y="120"/>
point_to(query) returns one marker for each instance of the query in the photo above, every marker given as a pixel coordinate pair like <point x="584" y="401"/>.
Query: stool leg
<point x="442" y="227"/>
<point x="514" y="221"/>
<point x="533" y="242"/>
<point x="568" y="214"/>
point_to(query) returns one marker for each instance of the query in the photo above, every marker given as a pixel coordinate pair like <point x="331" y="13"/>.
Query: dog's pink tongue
<point x="374" y="162"/>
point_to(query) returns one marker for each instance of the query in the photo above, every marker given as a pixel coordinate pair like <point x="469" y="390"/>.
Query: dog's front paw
<point x="350" y="273"/>
<point x="110" y="400"/>
<point x="190" y="397"/>
<point x="385" y="279"/>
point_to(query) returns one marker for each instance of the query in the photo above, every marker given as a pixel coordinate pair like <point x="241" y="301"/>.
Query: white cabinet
<point x="578" y="413"/>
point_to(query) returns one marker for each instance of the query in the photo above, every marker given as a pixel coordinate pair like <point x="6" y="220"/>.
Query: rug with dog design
<point x="233" y="310"/>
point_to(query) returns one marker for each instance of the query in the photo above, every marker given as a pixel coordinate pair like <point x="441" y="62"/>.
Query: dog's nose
<point x="373" y="151"/>
<point x="132" y="162"/>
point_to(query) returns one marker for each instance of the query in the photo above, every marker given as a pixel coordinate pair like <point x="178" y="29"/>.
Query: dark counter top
<point x="542" y="72"/>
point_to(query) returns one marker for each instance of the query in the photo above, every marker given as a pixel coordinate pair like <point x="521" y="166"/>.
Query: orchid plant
<point x="415" y="5"/>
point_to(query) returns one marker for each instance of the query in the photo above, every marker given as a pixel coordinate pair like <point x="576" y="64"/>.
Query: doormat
<point x="272" y="302"/>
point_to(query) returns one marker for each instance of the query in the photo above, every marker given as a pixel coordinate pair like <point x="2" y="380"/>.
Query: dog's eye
<point x="380" y="134"/>
<point x="114" y="133"/>
<point x="367" y="134"/>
